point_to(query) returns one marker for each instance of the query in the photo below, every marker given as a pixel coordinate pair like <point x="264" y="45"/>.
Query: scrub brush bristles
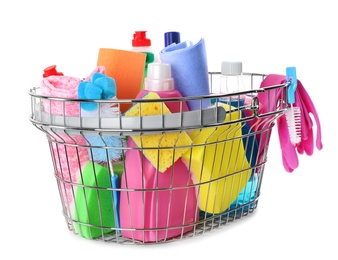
<point x="293" y="119"/>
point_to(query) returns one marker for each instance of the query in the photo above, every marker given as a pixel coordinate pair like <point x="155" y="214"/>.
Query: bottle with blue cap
<point x="171" y="37"/>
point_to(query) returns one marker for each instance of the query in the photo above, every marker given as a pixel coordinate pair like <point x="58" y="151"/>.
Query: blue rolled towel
<point x="189" y="69"/>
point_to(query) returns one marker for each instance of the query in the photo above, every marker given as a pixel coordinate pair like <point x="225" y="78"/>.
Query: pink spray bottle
<point x="154" y="205"/>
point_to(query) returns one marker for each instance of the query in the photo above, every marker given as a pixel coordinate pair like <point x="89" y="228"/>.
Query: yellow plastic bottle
<point x="219" y="163"/>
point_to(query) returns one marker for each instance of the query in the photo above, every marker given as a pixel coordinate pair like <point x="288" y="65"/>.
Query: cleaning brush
<point x="293" y="113"/>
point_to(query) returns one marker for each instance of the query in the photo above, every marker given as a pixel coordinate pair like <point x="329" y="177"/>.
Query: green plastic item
<point x="94" y="204"/>
<point x="149" y="59"/>
<point x="118" y="169"/>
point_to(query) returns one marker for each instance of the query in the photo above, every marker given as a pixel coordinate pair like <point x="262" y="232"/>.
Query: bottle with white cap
<point x="160" y="81"/>
<point x="232" y="82"/>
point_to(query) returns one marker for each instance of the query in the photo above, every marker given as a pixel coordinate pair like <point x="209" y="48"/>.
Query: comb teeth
<point x="293" y="119"/>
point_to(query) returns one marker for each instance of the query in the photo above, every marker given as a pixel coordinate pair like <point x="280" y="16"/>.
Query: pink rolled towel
<point x="68" y="159"/>
<point x="60" y="87"/>
<point x="63" y="87"/>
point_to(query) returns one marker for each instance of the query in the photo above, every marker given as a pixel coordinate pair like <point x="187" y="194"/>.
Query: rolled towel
<point x="69" y="151"/>
<point x="99" y="69"/>
<point x="68" y="159"/>
<point x="61" y="87"/>
<point x="189" y="69"/>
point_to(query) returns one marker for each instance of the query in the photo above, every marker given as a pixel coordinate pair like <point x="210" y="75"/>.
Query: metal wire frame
<point x="68" y="141"/>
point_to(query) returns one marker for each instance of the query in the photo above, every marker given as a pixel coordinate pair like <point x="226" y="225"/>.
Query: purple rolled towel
<point x="189" y="70"/>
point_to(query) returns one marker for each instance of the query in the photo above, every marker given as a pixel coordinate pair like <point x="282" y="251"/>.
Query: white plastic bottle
<point x="141" y="43"/>
<point x="232" y="82"/>
<point x="159" y="80"/>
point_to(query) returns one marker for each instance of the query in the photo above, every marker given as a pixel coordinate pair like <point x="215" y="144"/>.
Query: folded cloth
<point x="189" y="70"/>
<point x="304" y="102"/>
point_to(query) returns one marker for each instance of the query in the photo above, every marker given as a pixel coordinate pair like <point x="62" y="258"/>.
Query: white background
<point x="297" y="213"/>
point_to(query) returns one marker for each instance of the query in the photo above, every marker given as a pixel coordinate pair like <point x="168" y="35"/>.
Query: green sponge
<point x="94" y="204"/>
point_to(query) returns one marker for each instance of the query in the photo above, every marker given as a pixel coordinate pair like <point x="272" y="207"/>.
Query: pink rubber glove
<point x="302" y="100"/>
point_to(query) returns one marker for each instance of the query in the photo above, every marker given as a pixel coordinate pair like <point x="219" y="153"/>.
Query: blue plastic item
<point x="292" y="78"/>
<point x="116" y="198"/>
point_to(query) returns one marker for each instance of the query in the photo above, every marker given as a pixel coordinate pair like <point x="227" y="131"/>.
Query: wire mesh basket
<point x="152" y="176"/>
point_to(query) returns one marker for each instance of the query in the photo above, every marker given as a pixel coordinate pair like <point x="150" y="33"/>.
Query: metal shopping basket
<point x="151" y="178"/>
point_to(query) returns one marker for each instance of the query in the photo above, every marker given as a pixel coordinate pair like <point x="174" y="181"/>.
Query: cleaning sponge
<point x="219" y="163"/>
<point x="162" y="150"/>
<point x="94" y="203"/>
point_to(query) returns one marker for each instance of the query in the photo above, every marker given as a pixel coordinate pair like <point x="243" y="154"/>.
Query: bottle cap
<point x="159" y="77"/>
<point x="140" y="39"/>
<point x="150" y="57"/>
<point x="51" y="71"/>
<point x="171" y="37"/>
<point x="231" y="68"/>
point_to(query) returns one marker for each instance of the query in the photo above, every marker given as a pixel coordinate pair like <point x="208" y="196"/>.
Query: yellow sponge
<point x="162" y="150"/>
<point x="219" y="163"/>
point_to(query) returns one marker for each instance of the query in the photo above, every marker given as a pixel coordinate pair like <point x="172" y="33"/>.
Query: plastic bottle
<point x="156" y="204"/>
<point x="141" y="43"/>
<point x="232" y="82"/>
<point x="159" y="80"/>
<point x="171" y="37"/>
<point x="176" y="204"/>
<point x="50" y="71"/>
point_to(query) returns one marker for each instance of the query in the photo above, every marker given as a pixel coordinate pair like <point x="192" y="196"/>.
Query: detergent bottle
<point x="156" y="205"/>
<point x="159" y="80"/>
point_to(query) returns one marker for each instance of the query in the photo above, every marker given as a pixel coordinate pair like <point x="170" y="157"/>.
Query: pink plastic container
<point x="159" y="80"/>
<point x="157" y="205"/>
<point x="162" y="202"/>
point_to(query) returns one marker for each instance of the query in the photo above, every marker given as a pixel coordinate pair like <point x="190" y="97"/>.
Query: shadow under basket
<point x="151" y="177"/>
